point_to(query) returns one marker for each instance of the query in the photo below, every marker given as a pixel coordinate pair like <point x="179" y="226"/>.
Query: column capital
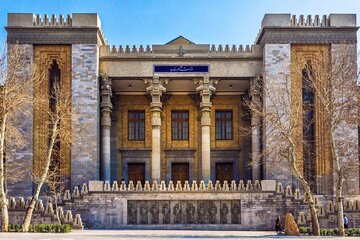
<point x="106" y="85"/>
<point x="105" y="104"/>
<point x="206" y="86"/>
<point x="155" y="86"/>
<point x="155" y="89"/>
<point x="206" y="89"/>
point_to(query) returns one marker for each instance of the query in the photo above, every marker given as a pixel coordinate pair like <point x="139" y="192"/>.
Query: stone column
<point x="205" y="88"/>
<point x="106" y="108"/>
<point x="156" y="89"/>
<point x="255" y="133"/>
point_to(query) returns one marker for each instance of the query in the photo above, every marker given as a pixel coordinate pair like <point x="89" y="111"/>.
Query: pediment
<point x="179" y="40"/>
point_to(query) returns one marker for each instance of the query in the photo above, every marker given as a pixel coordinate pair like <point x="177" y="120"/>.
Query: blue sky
<point x="158" y="21"/>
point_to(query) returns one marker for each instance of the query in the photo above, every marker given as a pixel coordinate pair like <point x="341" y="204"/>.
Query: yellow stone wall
<point x="227" y="103"/>
<point x="319" y="55"/>
<point x="177" y="102"/>
<point x="126" y="103"/>
<point x="180" y="102"/>
<point x="43" y="58"/>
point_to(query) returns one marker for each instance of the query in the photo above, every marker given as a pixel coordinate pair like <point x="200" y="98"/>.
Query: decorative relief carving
<point x="154" y="211"/>
<point x="235" y="212"/>
<point x="224" y="211"/>
<point x="212" y="213"/>
<point x="132" y="213"/>
<point x="165" y="211"/>
<point x="177" y="213"/>
<point x="44" y="56"/>
<point x="184" y="212"/>
<point x="57" y="36"/>
<point x="202" y="213"/>
<point x="143" y="211"/>
<point x="287" y="35"/>
<point x="190" y="213"/>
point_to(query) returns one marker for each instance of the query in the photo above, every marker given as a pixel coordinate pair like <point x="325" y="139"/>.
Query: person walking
<point x="278" y="227"/>
<point x="346" y="222"/>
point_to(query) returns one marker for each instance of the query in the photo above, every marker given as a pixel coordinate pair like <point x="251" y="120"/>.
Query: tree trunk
<point x="56" y="209"/>
<point x="30" y="210"/>
<point x="3" y="198"/>
<point x="310" y="202"/>
<point x="28" y="215"/>
<point x="339" y="204"/>
<point x="339" y="184"/>
<point x="308" y="194"/>
<point x="312" y="208"/>
<point x="4" y="218"/>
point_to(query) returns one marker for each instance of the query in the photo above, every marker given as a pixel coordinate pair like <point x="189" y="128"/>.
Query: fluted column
<point x="156" y="89"/>
<point x="105" y="108"/>
<point x="255" y="132"/>
<point x="205" y="89"/>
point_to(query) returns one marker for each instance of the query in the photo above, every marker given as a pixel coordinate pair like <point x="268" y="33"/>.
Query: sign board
<point x="181" y="68"/>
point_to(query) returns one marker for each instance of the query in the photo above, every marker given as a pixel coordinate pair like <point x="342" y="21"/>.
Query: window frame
<point x="223" y="124"/>
<point x="138" y="121"/>
<point x="180" y="133"/>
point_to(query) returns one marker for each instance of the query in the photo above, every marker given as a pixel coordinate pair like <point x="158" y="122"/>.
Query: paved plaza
<point x="152" y="234"/>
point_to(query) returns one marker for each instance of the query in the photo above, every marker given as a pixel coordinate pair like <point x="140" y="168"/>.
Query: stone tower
<point x="73" y="43"/>
<point x="288" y="43"/>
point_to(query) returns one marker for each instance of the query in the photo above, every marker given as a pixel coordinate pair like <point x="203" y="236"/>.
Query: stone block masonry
<point x="44" y="213"/>
<point x="85" y="107"/>
<point x="23" y="156"/>
<point x="276" y="79"/>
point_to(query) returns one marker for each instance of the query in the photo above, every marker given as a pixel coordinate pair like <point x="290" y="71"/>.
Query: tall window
<point x="136" y="121"/>
<point x="54" y="82"/>
<point x="179" y="125"/>
<point x="54" y="85"/>
<point x="309" y="158"/>
<point x="223" y="125"/>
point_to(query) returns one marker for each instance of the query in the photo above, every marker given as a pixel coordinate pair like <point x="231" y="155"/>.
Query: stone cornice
<point x="52" y="35"/>
<point x="307" y="35"/>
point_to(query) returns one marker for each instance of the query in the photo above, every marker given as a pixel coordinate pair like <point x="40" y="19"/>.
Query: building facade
<point x="176" y="112"/>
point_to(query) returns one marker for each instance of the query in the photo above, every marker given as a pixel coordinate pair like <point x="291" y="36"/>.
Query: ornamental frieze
<point x="49" y="36"/>
<point x="183" y="212"/>
<point x="307" y="36"/>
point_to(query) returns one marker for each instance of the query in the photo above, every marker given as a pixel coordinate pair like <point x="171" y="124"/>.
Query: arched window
<point x="308" y="115"/>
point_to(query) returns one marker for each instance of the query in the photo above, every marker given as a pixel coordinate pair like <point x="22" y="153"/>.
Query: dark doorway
<point x="180" y="172"/>
<point x="136" y="172"/>
<point x="224" y="171"/>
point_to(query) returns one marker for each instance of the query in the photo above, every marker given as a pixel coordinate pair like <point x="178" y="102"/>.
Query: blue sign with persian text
<point x="181" y="68"/>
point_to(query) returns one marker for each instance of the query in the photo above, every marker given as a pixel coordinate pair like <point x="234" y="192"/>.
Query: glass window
<point x="223" y="125"/>
<point x="136" y="121"/>
<point x="179" y="125"/>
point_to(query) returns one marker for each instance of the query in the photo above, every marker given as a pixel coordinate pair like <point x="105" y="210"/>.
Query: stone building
<point x="175" y="111"/>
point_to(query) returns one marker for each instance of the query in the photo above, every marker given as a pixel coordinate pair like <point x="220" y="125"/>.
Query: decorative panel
<point x="141" y="212"/>
<point x="319" y="55"/>
<point x="44" y="56"/>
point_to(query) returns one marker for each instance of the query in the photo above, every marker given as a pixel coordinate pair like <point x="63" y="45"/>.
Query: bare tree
<point x="15" y="106"/>
<point x="336" y="89"/>
<point x="272" y="101"/>
<point x="57" y="106"/>
<point x="56" y="186"/>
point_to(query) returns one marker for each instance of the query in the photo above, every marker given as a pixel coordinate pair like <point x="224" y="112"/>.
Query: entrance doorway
<point x="224" y="171"/>
<point x="136" y="172"/>
<point x="180" y="172"/>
